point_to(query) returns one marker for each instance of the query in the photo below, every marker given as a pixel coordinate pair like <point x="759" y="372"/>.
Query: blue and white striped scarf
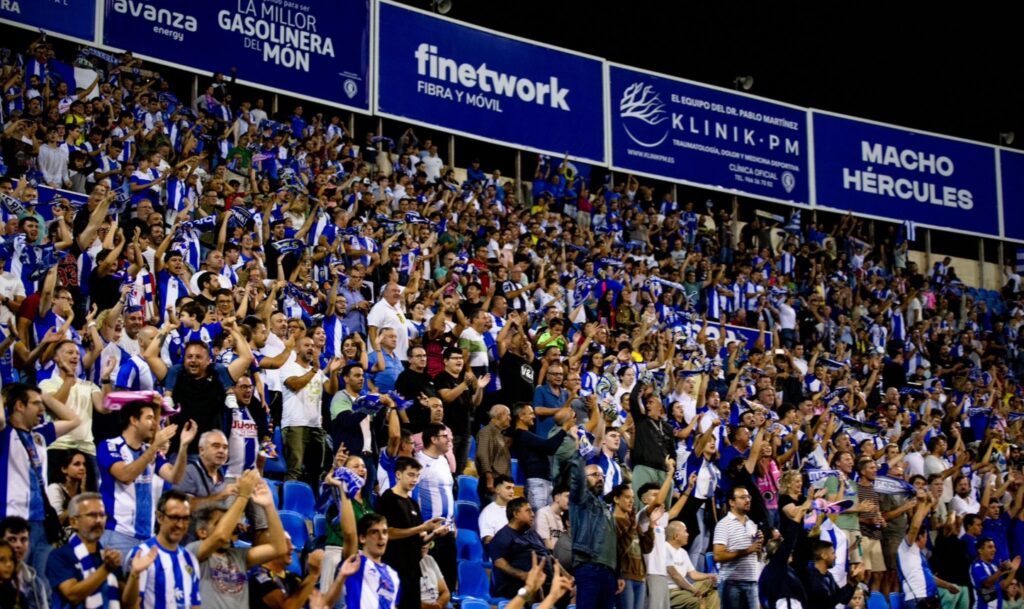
<point x="106" y="595"/>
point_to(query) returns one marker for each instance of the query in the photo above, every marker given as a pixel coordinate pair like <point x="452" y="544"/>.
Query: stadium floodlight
<point x="743" y="82"/>
<point x="442" y="7"/>
<point x="1006" y="138"/>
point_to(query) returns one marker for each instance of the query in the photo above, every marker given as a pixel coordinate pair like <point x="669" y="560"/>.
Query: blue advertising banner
<point x="891" y="172"/>
<point x="1012" y="171"/>
<point x="678" y="130"/>
<point x="462" y="79"/>
<point x="68" y="17"/>
<point x="314" y="48"/>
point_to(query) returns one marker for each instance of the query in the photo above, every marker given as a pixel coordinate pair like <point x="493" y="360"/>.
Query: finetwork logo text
<point x="487" y="80"/>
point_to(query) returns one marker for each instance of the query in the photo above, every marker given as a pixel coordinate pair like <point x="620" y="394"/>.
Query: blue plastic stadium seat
<point x="467" y="515"/>
<point x="243" y="544"/>
<point x="475" y="603"/>
<point x="468" y="546"/>
<point x="517" y="474"/>
<point x="709" y="563"/>
<point x="895" y="600"/>
<point x="298" y="497"/>
<point x="276" y="466"/>
<point x="275" y="490"/>
<point x="473" y="582"/>
<point x="295" y="566"/>
<point x="877" y="600"/>
<point x="295" y="525"/>
<point x="472" y="448"/>
<point x="468" y="489"/>
<point x="319" y="525"/>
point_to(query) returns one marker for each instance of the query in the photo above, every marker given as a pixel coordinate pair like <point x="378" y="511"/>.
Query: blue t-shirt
<point x="385" y="379"/>
<point x="998" y="529"/>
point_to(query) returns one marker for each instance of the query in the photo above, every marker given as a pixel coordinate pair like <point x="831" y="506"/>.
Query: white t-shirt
<point x="273" y="347"/>
<point x="430" y="575"/>
<point x="680" y="559"/>
<point x="965" y="505"/>
<point x="937" y="465"/>
<point x="432" y="167"/>
<point x="655" y="560"/>
<point x="492" y="519"/>
<point x="302" y="408"/>
<point x="80" y="401"/>
<point x="913" y="582"/>
<point x="383" y="315"/>
<point x="915" y="464"/>
<point x="10" y="287"/>
<point x="787" y="317"/>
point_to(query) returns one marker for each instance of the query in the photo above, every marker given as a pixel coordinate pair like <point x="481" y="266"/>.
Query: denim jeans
<point x="538" y="493"/>
<point x="699" y="544"/>
<point x="633" y="596"/>
<point x="38" y="548"/>
<point x="595" y="586"/>
<point x="738" y="595"/>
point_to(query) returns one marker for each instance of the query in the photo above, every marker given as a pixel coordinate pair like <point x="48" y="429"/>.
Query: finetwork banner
<point x="316" y="48"/>
<point x="487" y="85"/>
<point x="680" y="130"/>
<point x="886" y="171"/>
<point x="1012" y="170"/>
<point x="69" y="17"/>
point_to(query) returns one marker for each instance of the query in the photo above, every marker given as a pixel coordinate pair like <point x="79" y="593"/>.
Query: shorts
<point x="871" y="551"/>
<point x="854" y="552"/>
<point x="889" y="548"/>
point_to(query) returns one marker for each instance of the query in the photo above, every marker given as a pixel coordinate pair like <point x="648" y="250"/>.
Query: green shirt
<point x="848" y="521"/>
<point x="335" y="536"/>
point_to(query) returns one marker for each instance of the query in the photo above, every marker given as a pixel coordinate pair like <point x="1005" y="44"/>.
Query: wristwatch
<point x="524" y="593"/>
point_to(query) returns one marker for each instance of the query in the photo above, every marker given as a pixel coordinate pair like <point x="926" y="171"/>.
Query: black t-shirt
<point x="457" y="414"/>
<point x="517" y="378"/>
<point x="410" y="384"/>
<point x="201" y="400"/>
<point x="402" y="554"/>
<point x="787" y="527"/>
<point x="104" y="291"/>
<point x="264" y="582"/>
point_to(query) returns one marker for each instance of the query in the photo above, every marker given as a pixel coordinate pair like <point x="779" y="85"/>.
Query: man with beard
<point x="83" y="572"/>
<point x="129" y="467"/>
<point x="134" y="321"/>
<point x="593" y="538"/>
<point x="304" y="385"/>
<point x="196" y="386"/>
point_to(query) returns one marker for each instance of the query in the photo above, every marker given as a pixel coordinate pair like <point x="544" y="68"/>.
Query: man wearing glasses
<point x="736" y="546"/>
<point x="171" y="577"/>
<point x="83" y="572"/>
<point x="593" y="538"/>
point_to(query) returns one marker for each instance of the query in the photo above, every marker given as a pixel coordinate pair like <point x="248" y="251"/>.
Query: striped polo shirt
<point x="737" y="535"/>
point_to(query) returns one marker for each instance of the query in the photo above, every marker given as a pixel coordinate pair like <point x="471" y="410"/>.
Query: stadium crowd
<point x="602" y="396"/>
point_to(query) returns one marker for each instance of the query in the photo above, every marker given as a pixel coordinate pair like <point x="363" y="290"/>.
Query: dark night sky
<point x="922" y="66"/>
